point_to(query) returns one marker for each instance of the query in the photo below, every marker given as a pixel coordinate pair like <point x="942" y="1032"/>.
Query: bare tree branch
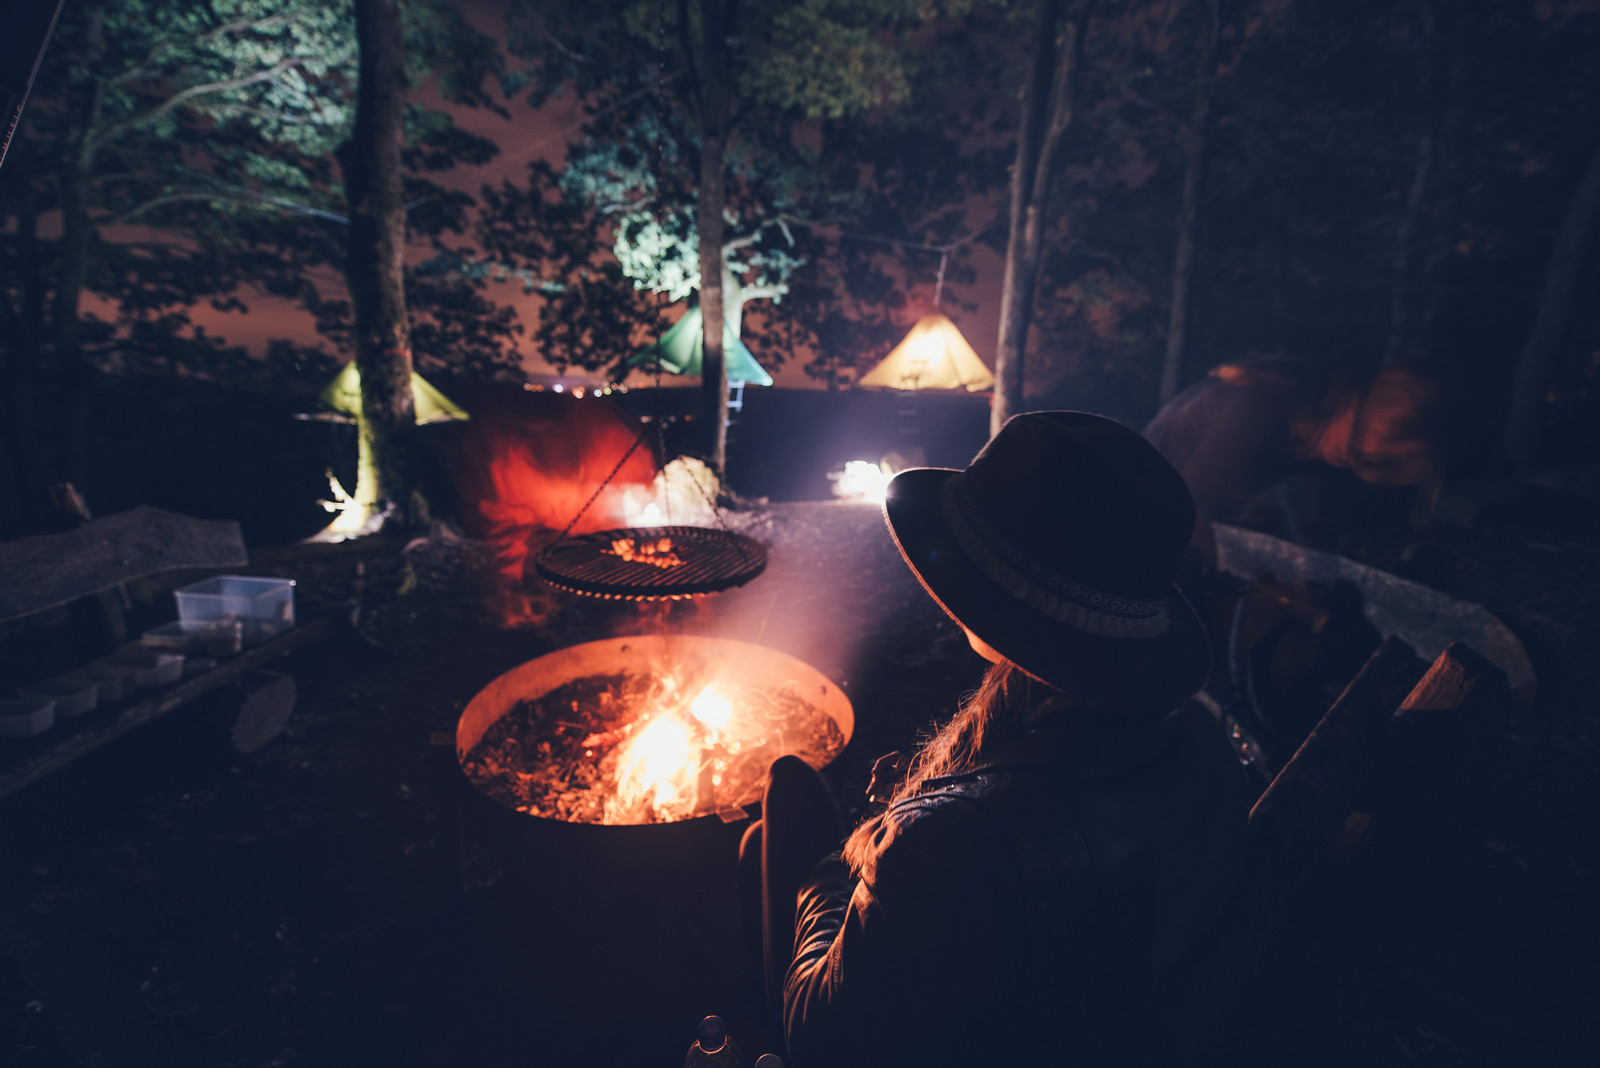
<point x="182" y="97"/>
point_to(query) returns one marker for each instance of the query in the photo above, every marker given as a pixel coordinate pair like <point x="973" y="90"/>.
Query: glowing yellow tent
<point x="344" y="395"/>
<point x="933" y="356"/>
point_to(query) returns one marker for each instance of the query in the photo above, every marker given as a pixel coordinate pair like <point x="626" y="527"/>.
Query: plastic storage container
<point x="151" y="667"/>
<point x="114" y="682"/>
<point x="72" y="698"/>
<point x="24" y="717"/>
<point x="263" y="606"/>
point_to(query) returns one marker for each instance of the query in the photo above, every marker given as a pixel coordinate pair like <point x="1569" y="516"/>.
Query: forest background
<point x="1360" y="183"/>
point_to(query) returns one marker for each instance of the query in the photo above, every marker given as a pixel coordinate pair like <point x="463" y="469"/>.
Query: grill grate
<point x="712" y="560"/>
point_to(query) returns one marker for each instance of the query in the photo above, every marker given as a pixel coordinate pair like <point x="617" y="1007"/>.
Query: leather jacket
<point x="1049" y="902"/>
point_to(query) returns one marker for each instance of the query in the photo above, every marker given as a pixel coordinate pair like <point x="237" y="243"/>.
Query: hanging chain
<point x="601" y="488"/>
<point x="661" y="426"/>
<point x="660" y="423"/>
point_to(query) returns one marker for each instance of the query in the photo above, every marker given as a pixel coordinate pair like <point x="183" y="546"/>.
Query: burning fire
<point x="712" y="709"/>
<point x="660" y="754"/>
<point x="672" y="763"/>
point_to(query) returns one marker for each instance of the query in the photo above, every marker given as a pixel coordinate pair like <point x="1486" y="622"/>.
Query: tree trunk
<point x="1194" y="163"/>
<point x="72" y="372"/>
<point x="1538" y="358"/>
<point x="375" y="269"/>
<point x="713" y="149"/>
<point x="24" y="492"/>
<point x="1403" y="336"/>
<point x="1046" y="114"/>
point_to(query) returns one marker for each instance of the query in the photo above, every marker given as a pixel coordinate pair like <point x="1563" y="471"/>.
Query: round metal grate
<point x="633" y="563"/>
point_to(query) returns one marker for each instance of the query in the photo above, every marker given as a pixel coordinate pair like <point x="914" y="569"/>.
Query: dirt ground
<point x="169" y="902"/>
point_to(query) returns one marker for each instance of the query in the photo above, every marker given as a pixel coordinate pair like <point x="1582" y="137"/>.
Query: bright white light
<point x="650" y="517"/>
<point x="861" y="480"/>
<point x="662" y="750"/>
<point x="557" y="387"/>
<point x="712" y="709"/>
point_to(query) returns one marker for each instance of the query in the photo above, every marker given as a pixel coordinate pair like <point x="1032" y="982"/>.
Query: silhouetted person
<point x="1049" y="876"/>
<point x="1249" y="424"/>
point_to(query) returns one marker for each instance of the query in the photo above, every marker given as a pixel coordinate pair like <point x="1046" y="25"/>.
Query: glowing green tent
<point x="344" y="395"/>
<point x="681" y="349"/>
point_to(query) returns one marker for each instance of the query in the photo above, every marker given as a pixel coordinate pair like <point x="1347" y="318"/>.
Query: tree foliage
<point x="175" y="154"/>
<point x="827" y="134"/>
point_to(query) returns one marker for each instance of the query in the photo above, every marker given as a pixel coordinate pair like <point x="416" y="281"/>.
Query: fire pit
<point x="608" y="785"/>
<point x="647" y="729"/>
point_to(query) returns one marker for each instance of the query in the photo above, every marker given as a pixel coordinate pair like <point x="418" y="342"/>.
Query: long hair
<point x="1002" y="705"/>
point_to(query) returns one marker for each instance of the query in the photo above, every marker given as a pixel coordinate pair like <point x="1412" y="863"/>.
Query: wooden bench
<point x="96" y="560"/>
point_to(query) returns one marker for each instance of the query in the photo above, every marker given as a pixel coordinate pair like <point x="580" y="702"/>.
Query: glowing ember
<point x="654" y="551"/>
<point x="861" y="480"/>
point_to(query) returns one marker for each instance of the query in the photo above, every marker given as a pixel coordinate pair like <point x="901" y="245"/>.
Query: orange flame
<point x="712" y="709"/>
<point x="666" y="751"/>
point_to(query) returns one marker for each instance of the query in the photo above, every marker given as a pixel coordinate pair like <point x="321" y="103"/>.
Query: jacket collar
<point x="1082" y="745"/>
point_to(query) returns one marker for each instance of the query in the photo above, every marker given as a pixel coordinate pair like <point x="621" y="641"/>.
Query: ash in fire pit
<point x="647" y="729"/>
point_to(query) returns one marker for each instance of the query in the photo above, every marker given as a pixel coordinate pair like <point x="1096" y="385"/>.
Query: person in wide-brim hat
<point x="1049" y="875"/>
<point x="1058" y="547"/>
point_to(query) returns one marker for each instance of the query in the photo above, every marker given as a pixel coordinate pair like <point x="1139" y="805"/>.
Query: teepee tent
<point x="344" y="395"/>
<point x="681" y="349"/>
<point x="933" y="356"/>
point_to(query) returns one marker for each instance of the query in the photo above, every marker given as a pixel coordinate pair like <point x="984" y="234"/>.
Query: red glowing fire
<point x="527" y="462"/>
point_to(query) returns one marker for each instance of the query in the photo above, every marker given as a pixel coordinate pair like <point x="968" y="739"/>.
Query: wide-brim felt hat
<point x="1058" y="546"/>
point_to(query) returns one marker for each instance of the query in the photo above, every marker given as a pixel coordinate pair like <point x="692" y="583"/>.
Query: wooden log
<point x="263" y="713"/>
<point x="1444" y="729"/>
<point x="1303" y="813"/>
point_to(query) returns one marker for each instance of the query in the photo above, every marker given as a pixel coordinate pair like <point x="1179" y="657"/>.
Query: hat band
<point x="1052" y="595"/>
